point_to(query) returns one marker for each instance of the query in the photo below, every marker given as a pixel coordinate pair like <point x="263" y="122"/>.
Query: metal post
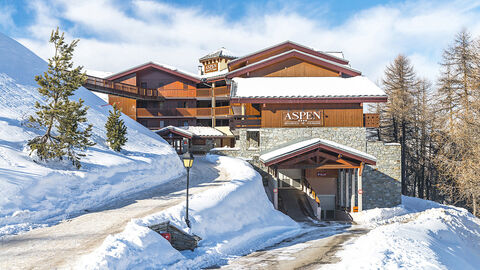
<point x="188" y="183"/>
<point x="352" y="200"/>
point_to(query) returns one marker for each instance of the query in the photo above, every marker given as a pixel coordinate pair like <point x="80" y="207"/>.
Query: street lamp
<point x="188" y="163"/>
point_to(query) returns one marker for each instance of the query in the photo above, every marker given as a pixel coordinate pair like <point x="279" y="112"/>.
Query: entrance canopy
<point x="316" y="153"/>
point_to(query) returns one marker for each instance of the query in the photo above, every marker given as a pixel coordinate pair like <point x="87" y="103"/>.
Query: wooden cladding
<point x="371" y="120"/>
<point x="312" y="115"/>
<point x="184" y="112"/>
<point x="293" y="67"/>
<point x="126" y="105"/>
<point x="173" y="90"/>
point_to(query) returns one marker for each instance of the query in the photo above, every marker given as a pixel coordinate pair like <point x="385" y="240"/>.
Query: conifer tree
<point x="399" y="83"/>
<point x="116" y="130"/>
<point x="60" y="117"/>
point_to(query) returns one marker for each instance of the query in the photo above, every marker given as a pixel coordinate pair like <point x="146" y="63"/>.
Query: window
<point x="253" y="139"/>
<point x="185" y="123"/>
<point x="143" y="85"/>
<point x="162" y="123"/>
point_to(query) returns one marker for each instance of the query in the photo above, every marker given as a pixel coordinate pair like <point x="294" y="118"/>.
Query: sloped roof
<point x="304" y="87"/>
<point x="298" y="46"/>
<point x="222" y="52"/>
<point x="191" y="131"/>
<point x="293" y="148"/>
<point x="167" y="68"/>
<point x="204" y="131"/>
<point x="298" y="54"/>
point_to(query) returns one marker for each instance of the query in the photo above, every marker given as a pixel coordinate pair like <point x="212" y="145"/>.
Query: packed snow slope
<point x="233" y="219"/>
<point x="418" y="234"/>
<point x="39" y="194"/>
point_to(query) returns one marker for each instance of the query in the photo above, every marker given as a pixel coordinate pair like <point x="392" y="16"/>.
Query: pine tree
<point x="116" y="130"/>
<point x="60" y="117"/>
<point x="459" y="134"/>
<point x="399" y="83"/>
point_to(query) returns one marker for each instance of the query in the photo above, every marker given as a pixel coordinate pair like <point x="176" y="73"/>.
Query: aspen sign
<point x="303" y="118"/>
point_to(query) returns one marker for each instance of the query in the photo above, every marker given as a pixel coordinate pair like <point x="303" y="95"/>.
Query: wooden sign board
<point x="211" y="67"/>
<point x="307" y="118"/>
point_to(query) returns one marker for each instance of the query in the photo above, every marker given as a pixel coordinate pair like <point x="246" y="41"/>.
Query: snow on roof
<point x="98" y="74"/>
<point x="300" y="52"/>
<point x="177" y="129"/>
<point x="284" y="87"/>
<point x="222" y="52"/>
<point x="215" y="73"/>
<point x="279" y="44"/>
<point x="203" y="131"/>
<point x="296" y="145"/>
<point x="161" y="65"/>
<point x="334" y="54"/>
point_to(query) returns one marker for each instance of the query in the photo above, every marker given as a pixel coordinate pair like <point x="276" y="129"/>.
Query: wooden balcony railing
<point x="135" y="92"/>
<point x="120" y="89"/>
<point x="371" y="120"/>
<point x="184" y="112"/>
<point x="245" y="122"/>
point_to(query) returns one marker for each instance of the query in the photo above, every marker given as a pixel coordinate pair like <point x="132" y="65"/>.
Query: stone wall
<point x="381" y="183"/>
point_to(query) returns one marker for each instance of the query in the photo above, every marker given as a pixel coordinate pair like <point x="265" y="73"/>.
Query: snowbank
<point x="38" y="194"/>
<point x="419" y="234"/>
<point x="232" y="219"/>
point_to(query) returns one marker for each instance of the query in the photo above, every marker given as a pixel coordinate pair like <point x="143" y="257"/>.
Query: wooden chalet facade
<point x="269" y="100"/>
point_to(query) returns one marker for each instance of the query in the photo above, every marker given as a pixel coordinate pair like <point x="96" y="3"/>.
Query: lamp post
<point x="188" y="163"/>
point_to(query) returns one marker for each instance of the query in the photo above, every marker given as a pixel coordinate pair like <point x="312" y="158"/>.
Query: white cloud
<point x="113" y="39"/>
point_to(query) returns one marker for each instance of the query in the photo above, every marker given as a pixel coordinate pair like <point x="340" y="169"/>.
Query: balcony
<point x="120" y="89"/>
<point x="250" y="121"/>
<point x="184" y="112"/>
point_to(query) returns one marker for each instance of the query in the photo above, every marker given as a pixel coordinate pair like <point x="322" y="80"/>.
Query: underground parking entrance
<point x="317" y="179"/>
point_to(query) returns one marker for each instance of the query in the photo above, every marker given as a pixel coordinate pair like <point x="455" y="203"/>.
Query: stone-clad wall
<point x="381" y="183"/>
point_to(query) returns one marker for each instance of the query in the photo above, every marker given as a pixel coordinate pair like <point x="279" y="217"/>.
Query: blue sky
<point x="119" y="34"/>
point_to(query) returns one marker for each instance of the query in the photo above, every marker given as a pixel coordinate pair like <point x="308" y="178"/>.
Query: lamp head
<point x="187" y="159"/>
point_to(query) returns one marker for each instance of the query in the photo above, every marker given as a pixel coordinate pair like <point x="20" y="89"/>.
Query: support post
<point x="360" y="190"/>
<point x="187" y="221"/>
<point x="275" y="189"/>
<point x="213" y="104"/>
<point x="347" y="183"/>
<point x="352" y="199"/>
<point x="342" y="179"/>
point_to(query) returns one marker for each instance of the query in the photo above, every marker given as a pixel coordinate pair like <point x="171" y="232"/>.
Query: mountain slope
<point x="38" y="194"/>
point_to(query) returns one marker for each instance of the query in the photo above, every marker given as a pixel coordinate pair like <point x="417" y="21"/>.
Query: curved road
<point x="61" y="245"/>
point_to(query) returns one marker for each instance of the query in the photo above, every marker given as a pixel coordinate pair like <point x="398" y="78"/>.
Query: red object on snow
<point x="167" y="236"/>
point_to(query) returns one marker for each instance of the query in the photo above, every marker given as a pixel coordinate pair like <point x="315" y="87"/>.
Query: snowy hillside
<point x="233" y="219"/>
<point x="418" y="234"/>
<point x="37" y="194"/>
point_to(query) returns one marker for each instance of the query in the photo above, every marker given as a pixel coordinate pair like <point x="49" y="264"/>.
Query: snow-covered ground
<point x="36" y="194"/>
<point x="233" y="219"/>
<point x="418" y="234"/>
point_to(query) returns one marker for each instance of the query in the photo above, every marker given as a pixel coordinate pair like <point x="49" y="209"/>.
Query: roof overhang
<point x="287" y="44"/>
<point x="294" y="54"/>
<point x="311" y="100"/>
<point x="175" y="130"/>
<point x="329" y="151"/>
<point x="153" y="65"/>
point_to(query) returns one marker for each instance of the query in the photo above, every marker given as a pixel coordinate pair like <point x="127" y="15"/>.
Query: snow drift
<point x="39" y="194"/>
<point x="418" y="234"/>
<point x="233" y="219"/>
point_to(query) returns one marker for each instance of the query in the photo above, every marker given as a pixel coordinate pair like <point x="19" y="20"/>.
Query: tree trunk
<point x="474" y="198"/>
<point x="403" y="161"/>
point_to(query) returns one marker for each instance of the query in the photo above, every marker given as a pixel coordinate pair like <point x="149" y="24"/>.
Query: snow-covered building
<point x="271" y="104"/>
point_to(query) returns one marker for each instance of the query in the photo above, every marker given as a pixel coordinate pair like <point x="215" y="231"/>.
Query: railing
<point x="245" y="122"/>
<point x="120" y="89"/>
<point x="131" y="91"/>
<point x="184" y="112"/>
<point x="371" y="120"/>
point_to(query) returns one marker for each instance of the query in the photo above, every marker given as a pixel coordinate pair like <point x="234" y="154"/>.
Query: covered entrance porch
<point x="327" y="174"/>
